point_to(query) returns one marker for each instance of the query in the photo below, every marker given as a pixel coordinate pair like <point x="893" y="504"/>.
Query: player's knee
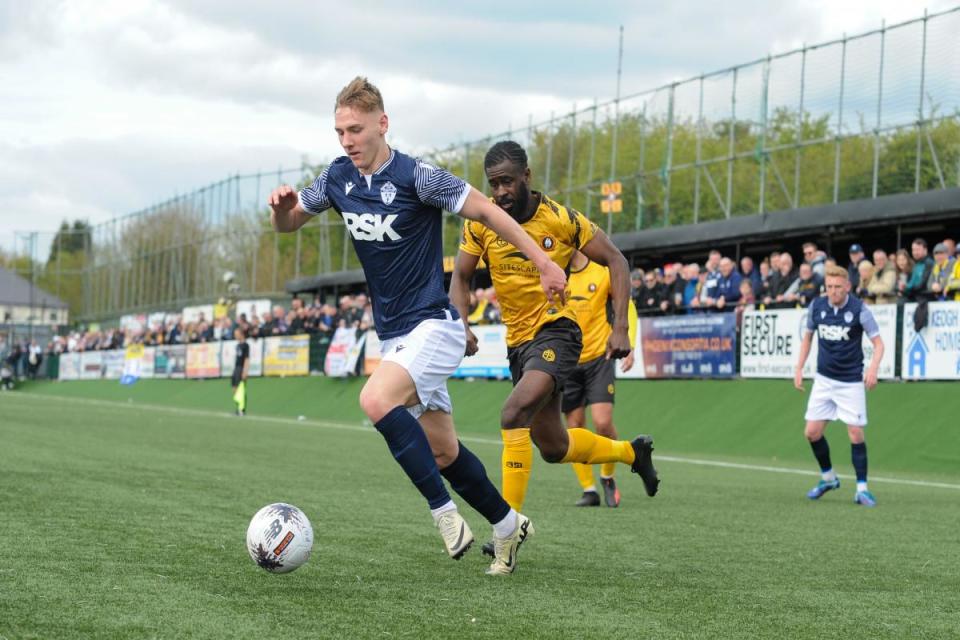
<point x="514" y="415"/>
<point x="813" y="432"/>
<point x="552" y="452"/>
<point x="374" y="406"/>
<point x="605" y="428"/>
<point x="444" y="458"/>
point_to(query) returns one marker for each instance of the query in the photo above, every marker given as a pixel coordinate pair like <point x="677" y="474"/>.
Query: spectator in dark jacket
<point x="728" y="285"/>
<point x="856" y="257"/>
<point x="650" y="295"/>
<point x="917" y="284"/>
<point x="673" y="286"/>
<point x="780" y="283"/>
<point x="750" y="272"/>
<point x="806" y="288"/>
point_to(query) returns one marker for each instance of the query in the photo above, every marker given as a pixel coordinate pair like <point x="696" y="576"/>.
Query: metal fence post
<point x="920" y="118"/>
<point x="839" y="133"/>
<point x="876" y="130"/>
<point x="765" y="96"/>
<point x="732" y="145"/>
<point x="800" y="120"/>
<point x="593" y="150"/>
<point x="696" y="163"/>
<point x="668" y="159"/>
<point x="573" y="143"/>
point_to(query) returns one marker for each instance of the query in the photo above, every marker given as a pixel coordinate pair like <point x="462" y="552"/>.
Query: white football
<point x="280" y="538"/>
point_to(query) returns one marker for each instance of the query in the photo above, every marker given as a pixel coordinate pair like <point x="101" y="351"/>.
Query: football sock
<point x="607" y="469"/>
<point x="584" y="476"/>
<point x="589" y="448"/>
<point x="821" y="451"/>
<point x="858" y="452"/>
<point x="468" y="478"/>
<point x="442" y="509"/>
<point x="411" y="450"/>
<point x="517" y="461"/>
<point x="240" y="396"/>
<point x="506" y="526"/>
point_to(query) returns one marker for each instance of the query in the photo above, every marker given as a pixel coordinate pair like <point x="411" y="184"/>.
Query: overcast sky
<point x="107" y="106"/>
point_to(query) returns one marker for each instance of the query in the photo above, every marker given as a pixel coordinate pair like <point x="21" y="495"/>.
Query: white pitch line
<point x="472" y="439"/>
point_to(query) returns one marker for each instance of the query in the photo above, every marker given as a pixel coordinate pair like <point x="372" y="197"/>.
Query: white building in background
<point x="22" y="303"/>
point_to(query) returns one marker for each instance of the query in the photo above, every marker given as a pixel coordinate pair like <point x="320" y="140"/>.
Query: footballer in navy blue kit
<point x="839" y="320"/>
<point x="392" y="206"/>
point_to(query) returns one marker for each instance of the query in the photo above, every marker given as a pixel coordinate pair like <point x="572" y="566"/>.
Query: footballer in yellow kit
<point x="543" y="339"/>
<point x="592" y="382"/>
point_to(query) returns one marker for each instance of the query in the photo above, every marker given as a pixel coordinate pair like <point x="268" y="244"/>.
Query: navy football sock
<point x="410" y="448"/>
<point x="821" y="450"/>
<point x="859" y="454"/>
<point x="468" y="477"/>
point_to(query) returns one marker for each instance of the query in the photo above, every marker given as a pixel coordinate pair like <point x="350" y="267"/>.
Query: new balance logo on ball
<point x="370" y="226"/>
<point x="834" y="333"/>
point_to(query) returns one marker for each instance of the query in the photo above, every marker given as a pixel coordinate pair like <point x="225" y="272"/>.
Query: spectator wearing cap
<point x="728" y="285"/>
<point x="917" y="285"/>
<point x="883" y="287"/>
<point x="750" y="272"/>
<point x="940" y="274"/>
<point x="856" y="257"/>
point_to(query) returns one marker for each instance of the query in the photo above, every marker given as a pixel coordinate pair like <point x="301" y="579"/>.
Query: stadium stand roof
<point x="839" y="222"/>
<point x="15" y="291"/>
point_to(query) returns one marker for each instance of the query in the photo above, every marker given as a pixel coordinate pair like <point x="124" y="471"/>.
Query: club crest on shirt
<point x="823" y="314"/>
<point x="388" y="192"/>
<point x="549" y="355"/>
<point x="548" y="243"/>
<point x="848" y="317"/>
<point x="592" y="287"/>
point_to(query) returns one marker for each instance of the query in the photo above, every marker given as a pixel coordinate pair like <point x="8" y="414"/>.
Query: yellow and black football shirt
<point x="589" y="295"/>
<point x="523" y="303"/>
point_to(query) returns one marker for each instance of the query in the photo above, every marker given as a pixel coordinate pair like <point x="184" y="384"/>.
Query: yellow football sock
<point x="517" y="461"/>
<point x="589" y="448"/>
<point x="240" y="397"/>
<point x="607" y="469"/>
<point x="584" y="475"/>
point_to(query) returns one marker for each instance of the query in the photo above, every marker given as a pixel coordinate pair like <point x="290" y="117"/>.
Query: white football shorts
<point x="430" y="354"/>
<point x="834" y="400"/>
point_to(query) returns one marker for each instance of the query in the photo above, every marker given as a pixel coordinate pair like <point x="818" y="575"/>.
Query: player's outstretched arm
<point x="478" y="208"/>
<point x="600" y="249"/>
<point x="286" y="214"/>
<point x="460" y="293"/>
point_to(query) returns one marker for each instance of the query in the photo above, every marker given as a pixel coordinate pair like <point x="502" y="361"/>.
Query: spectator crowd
<point x="778" y="281"/>
<point x="721" y="284"/>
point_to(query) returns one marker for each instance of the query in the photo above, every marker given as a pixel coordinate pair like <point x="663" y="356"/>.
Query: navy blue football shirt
<point x="395" y="219"/>
<point x="840" y="336"/>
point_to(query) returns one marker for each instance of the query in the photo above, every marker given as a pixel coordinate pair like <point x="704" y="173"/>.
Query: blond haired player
<point x="391" y="205"/>
<point x="839" y="320"/>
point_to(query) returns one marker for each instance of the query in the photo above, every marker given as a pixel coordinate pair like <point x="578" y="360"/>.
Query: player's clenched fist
<point x="283" y="198"/>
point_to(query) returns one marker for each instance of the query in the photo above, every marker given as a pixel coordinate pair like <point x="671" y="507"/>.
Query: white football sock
<point x="506" y="526"/>
<point x="861" y="486"/>
<point x="442" y="509"/>
<point x="828" y="476"/>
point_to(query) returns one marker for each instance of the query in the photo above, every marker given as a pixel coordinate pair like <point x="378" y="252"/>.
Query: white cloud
<point x="109" y="106"/>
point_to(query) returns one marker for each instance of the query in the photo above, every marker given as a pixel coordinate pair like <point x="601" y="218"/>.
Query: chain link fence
<point x="859" y="117"/>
